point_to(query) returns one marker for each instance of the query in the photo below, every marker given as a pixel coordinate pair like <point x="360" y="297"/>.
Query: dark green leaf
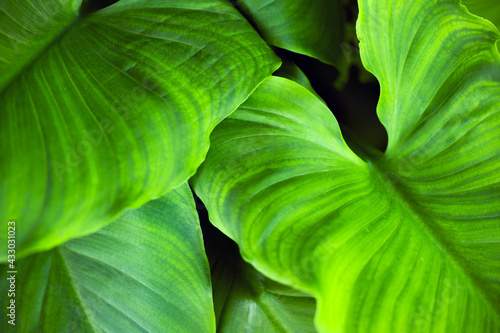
<point x="313" y="28"/>
<point x="247" y="301"/>
<point x="145" y="272"/>
<point x="489" y="9"/>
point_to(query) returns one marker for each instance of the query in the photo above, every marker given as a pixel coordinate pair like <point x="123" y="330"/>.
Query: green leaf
<point x="489" y="9"/>
<point x="26" y="28"/>
<point x="108" y="111"/>
<point x="291" y="71"/>
<point x="247" y="301"/>
<point x="384" y="245"/>
<point x="431" y="77"/>
<point x="145" y="272"/>
<point x="313" y="28"/>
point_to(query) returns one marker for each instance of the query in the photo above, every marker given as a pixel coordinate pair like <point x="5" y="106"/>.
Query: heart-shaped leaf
<point x="107" y="111"/>
<point x="145" y="272"/>
<point x="386" y="244"/>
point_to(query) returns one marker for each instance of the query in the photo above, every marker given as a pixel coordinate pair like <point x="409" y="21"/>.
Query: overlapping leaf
<point x="489" y="9"/>
<point x="108" y="111"/>
<point x="26" y="28"/>
<point x="291" y="71"/>
<point x="145" y="272"/>
<point x="247" y="301"/>
<point x="313" y="28"/>
<point x="387" y="244"/>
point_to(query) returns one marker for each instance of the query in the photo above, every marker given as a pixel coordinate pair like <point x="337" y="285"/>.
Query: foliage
<point x="108" y="115"/>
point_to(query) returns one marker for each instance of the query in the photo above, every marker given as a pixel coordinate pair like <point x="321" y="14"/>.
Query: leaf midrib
<point x="57" y="36"/>
<point x="389" y="182"/>
<point x="84" y="309"/>
<point x="71" y="19"/>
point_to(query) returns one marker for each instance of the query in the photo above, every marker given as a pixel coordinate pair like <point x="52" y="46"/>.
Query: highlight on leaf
<point x="214" y="166"/>
<point x="402" y="240"/>
<point x="107" y="111"/>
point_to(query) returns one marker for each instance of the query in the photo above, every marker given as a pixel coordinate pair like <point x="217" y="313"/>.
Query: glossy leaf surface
<point x="385" y="245"/>
<point x="107" y="111"/>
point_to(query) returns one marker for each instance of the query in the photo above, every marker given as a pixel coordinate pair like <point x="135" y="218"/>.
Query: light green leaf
<point x="437" y="75"/>
<point x="108" y="111"/>
<point x="145" y="272"/>
<point x="489" y="9"/>
<point x="247" y="301"/>
<point x="385" y="246"/>
<point x="313" y="28"/>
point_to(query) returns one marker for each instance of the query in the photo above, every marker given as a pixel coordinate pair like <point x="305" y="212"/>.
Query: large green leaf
<point x="313" y="28"/>
<point x="385" y="245"/>
<point x="247" y="301"/>
<point x="489" y="9"/>
<point x="26" y="28"/>
<point x="438" y="75"/>
<point x="145" y="272"/>
<point x="107" y="111"/>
